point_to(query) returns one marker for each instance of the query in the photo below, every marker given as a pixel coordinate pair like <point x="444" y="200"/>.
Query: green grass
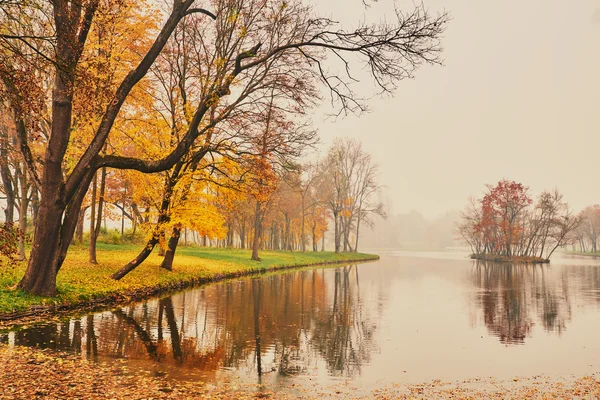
<point x="79" y="281"/>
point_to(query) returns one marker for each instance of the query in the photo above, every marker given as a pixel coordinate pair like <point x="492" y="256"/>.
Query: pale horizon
<point x="515" y="99"/>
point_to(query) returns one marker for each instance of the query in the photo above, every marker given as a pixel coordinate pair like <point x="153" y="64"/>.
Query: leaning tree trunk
<point x="163" y="217"/>
<point x="167" y="262"/>
<point x="133" y="264"/>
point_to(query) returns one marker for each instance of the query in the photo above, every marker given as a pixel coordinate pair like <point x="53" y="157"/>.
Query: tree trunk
<point x="80" y="221"/>
<point x="336" y="233"/>
<point x="61" y="200"/>
<point x="92" y="244"/>
<point x="167" y="262"/>
<point x="230" y="235"/>
<point x="357" y="230"/>
<point x="40" y="276"/>
<point x="130" y="266"/>
<point x="134" y="228"/>
<point x="343" y="233"/>
<point x="243" y="233"/>
<point x="95" y="231"/>
<point x="287" y="236"/>
<point x="123" y="221"/>
<point x="162" y="238"/>
<point x="9" y="211"/>
<point x="35" y="204"/>
<point x="163" y="217"/>
<point x="23" y="206"/>
<point x="302" y="236"/>
<point x="47" y="250"/>
<point x="257" y="233"/>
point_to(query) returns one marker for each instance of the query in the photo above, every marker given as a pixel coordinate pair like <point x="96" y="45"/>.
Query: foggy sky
<point x="518" y="98"/>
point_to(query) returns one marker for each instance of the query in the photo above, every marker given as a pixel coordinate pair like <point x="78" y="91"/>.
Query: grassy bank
<point x="512" y="259"/>
<point x="81" y="284"/>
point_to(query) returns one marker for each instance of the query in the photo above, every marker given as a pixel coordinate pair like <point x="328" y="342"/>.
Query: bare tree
<point x="353" y="188"/>
<point x="258" y="35"/>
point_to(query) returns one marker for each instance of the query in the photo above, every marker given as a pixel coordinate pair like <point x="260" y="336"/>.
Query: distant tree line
<point x="585" y="237"/>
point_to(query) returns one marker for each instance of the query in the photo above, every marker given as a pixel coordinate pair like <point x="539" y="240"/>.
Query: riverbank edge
<point x="581" y="253"/>
<point x="121" y="298"/>
<point x="511" y="260"/>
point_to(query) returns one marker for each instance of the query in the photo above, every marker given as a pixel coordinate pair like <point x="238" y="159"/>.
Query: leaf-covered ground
<point x="79" y="281"/>
<point x="27" y="373"/>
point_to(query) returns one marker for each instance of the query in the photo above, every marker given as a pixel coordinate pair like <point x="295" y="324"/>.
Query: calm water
<point x="410" y="317"/>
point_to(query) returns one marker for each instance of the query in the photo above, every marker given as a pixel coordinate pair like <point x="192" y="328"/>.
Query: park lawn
<point x="80" y="282"/>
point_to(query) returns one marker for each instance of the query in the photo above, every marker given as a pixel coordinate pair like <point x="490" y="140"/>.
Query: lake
<point x="407" y="318"/>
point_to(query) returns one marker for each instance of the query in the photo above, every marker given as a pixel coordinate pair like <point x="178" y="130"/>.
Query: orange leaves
<point x="120" y="34"/>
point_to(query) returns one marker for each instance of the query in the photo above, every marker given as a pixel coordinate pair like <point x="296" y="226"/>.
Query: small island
<point x="507" y="226"/>
<point x="510" y="259"/>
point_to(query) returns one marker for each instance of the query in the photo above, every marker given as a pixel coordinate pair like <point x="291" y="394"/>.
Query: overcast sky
<point x="517" y="98"/>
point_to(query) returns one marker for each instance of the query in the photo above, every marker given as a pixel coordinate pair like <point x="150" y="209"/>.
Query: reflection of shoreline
<point x="283" y="324"/>
<point x="107" y="301"/>
<point x="513" y="298"/>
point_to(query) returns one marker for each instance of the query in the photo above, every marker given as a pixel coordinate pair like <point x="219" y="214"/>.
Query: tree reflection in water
<point x="283" y="324"/>
<point x="514" y="298"/>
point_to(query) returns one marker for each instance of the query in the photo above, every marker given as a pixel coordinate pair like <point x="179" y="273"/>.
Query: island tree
<point x="506" y="223"/>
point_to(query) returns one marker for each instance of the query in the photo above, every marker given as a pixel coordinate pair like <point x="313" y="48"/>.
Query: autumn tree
<point x="503" y="208"/>
<point x="353" y="186"/>
<point x="253" y="34"/>
<point x="507" y="223"/>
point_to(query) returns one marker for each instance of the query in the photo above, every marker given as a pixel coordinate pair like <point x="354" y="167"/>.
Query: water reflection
<point x="284" y="324"/>
<point x="401" y="319"/>
<point x="514" y="298"/>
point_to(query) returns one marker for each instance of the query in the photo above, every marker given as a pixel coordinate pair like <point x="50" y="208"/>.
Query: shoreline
<point x="580" y="253"/>
<point x="509" y="260"/>
<point x="39" y="312"/>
